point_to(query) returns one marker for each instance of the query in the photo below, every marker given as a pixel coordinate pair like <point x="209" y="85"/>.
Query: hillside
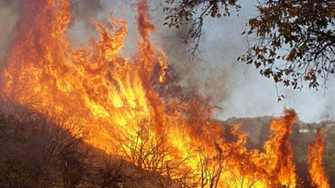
<point x="38" y="152"/>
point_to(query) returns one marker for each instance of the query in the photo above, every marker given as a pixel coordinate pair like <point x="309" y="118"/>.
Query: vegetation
<point x="36" y="152"/>
<point x="40" y="152"/>
<point x="192" y="13"/>
<point x="294" y="40"/>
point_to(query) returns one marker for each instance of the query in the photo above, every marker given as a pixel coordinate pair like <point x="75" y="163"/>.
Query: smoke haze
<point x="9" y="15"/>
<point x="237" y="88"/>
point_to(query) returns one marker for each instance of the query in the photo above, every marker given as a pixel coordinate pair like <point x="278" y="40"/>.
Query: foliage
<point x="192" y="13"/>
<point x="295" y="41"/>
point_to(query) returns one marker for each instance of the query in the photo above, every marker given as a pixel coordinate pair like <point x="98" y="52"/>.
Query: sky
<point x="237" y="88"/>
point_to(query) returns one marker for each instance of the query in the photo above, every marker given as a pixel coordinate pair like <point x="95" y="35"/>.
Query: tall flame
<point x="315" y="153"/>
<point x="280" y="151"/>
<point x="114" y="99"/>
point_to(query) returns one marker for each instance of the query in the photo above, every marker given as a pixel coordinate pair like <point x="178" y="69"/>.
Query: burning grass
<point x="115" y="100"/>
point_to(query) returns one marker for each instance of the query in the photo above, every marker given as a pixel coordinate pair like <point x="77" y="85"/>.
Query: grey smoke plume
<point x="82" y="13"/>
<point x="238" y="88"/>
<point x="9" y="15"/>
<point x="85" y="10"/>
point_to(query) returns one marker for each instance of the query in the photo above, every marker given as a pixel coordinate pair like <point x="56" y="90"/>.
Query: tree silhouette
<point x="292" y="40"/>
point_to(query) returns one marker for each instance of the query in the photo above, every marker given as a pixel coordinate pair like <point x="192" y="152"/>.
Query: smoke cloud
<point x="83" y="13"/>
<point x="9" y="15"/>
<point x="237" y="88"/>
<point x="85" y="10"/>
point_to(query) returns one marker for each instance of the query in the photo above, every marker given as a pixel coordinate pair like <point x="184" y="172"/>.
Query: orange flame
<point x="315" y="153"/>
<point x="280" y="151"/>
<point x="113" y="97"/>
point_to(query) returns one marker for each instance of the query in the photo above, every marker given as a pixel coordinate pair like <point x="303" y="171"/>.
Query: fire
<point x="315" y="153"/>
<point x="114" y="99"/>
<point x="280" y="151"/>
